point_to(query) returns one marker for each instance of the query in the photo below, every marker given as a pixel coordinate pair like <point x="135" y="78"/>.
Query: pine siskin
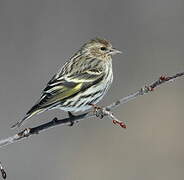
<point x="80" y="83"/>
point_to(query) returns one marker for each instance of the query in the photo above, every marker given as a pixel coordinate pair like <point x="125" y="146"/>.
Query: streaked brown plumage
<point x="82" y="81"/>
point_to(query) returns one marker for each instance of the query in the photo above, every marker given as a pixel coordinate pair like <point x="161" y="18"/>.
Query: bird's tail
<point x="30" y="113"/>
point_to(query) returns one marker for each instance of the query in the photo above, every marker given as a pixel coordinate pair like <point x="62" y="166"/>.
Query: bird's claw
<point x="98" y="111"/>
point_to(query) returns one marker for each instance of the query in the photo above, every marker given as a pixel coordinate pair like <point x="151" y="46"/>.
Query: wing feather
<point x="56" y="92"/>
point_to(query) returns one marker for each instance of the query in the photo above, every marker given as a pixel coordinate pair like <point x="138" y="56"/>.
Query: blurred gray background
<point x="38" y="36"/>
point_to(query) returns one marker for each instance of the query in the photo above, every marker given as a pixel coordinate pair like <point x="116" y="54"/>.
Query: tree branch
<point x="106" y="111"/>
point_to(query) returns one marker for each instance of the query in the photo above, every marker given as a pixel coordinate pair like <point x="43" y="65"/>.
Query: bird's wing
<point x="60" y="88"/>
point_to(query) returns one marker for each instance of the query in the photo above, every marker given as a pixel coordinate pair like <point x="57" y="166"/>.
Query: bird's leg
<point x="71" y="116"/>
<point x="98" y="111"/>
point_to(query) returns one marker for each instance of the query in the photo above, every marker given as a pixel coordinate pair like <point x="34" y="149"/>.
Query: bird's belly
<point x="81" y="101"/>
<point x="74" y="109"/>
<point x="92" y="95"/>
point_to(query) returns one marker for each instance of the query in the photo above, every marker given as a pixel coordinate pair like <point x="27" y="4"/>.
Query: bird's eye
<point x="103" y="48"/>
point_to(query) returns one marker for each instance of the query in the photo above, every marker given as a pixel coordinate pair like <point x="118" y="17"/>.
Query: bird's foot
<point x="98" y="111"/>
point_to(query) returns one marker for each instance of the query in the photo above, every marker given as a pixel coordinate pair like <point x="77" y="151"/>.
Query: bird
<point x="81" y="83"/>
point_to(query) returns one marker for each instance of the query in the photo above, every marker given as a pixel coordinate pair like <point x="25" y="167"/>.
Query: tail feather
<point x="28" y="115"/>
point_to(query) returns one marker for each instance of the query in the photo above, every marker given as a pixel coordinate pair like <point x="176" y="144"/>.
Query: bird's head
<point x="99" y="48"/>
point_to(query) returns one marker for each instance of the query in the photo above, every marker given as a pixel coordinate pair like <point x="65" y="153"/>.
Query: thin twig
<point x="106" y="111"/>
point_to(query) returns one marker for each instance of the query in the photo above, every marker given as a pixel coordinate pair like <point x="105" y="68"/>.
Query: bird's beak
<point x="114" y="51"/>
